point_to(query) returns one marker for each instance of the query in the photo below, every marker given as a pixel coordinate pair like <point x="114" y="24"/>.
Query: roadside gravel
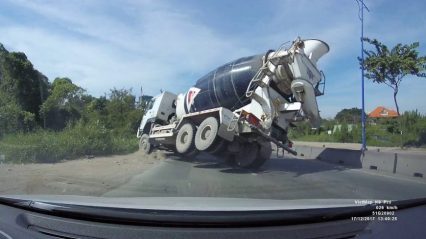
<point x="89" y="177"/>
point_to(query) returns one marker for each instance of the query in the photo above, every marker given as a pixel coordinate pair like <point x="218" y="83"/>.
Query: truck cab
<point x="160" y="110"/>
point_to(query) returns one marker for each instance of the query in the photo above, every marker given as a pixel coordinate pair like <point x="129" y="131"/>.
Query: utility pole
<point x="361" y="7"/>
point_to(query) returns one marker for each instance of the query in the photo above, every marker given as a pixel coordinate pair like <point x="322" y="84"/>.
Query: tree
<point x="22" y="91"/>
<point x="391" y="66"/>
<point x="12" y="118"/>
<point x="345" y="133"/>
<point x="352" y="116"/>
<point x="21" y="83"/>
<point x="64" y="104"/>
<point x="95" y="110"/>
<point x="123" y="116"/>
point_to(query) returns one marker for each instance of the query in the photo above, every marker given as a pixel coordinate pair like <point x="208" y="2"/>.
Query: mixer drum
<point x="225" y="86"/>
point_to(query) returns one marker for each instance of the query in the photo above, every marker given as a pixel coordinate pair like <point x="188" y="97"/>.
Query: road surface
<point x="279" y="178"/>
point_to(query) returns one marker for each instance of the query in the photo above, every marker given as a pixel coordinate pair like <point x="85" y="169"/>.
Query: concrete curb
<point x="399" y="163"/>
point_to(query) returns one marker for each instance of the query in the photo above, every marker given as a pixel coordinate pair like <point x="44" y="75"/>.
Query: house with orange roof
<point x="382" y="112"/>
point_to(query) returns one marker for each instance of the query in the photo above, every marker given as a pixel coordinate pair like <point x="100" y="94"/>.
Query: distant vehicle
<point x="238" y="109"/>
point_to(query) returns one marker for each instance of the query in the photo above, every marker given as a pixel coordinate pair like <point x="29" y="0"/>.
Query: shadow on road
<point x="348" y="158"/>
<point x="298" y="166"/>
<point x="241" y="171"/>
<point x="291" y="165"/>
<point x="212" y="165"/>
<point x="327" y="160"/>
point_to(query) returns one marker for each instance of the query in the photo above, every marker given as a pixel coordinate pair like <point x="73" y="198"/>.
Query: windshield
<point x="237" y="116"/>
<point x="150" y="104"/>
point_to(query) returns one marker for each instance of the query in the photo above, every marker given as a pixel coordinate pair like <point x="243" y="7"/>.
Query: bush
<point x="73" y="142"/>
<point x="409" y="130"/>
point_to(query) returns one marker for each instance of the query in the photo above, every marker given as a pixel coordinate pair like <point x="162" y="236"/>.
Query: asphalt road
<point x="279" y="178"/>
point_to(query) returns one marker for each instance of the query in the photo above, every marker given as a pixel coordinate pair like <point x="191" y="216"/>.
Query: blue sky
<point x="170" y="44"/>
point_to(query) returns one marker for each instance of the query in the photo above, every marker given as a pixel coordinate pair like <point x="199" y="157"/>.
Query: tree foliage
<point x="22" y="91"/>
<point x="64" y="104"/>
<point x="351" y="116"/>
<point x="13" y="118"/>
<point x="122" y="112"/>
<point x="28" y="101"/>
<point x="43" y="122"/>
<point x="390" y="66"/>
<point x="20" y="81"/>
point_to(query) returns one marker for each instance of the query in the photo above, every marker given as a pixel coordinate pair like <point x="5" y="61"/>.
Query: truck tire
<point x="185" y="138"/>
<point x="264" y="153"/>
<point x="144" y="144"/>
<point x="218" y="147"/>
<point x="190" y="155"/>
<point x="247" y="155"/>
<point x="253" y="155"/>
<point x="206" y="135"/>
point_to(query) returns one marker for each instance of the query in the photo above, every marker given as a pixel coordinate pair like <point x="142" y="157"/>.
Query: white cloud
<point x="155" y="48"/>
<point x="154" y="44"/>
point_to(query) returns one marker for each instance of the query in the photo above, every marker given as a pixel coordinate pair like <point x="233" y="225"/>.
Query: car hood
<point x="193" y="203"/>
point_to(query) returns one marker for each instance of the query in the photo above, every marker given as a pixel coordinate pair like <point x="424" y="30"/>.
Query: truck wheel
<point x="185" y="138"/>
<point x="218" y="147"/>
<point x="144" y="144"/>
<point x="263" y="154"/>
<point x="247" y="155"/>
<point x="190" y="155"/>
<point x="206" y="134"/>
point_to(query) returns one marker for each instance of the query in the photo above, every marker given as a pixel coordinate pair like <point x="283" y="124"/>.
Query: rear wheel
<point x="206" y="135"/>
<point x="185" y="138"/>
<point x="252" y="155"/>
<point x="144" y="144"/>
<point x="264" y="153"/>
<point x="190" y="156"/>
<point x="247" y="155"/>
<point x="218" y="147"/>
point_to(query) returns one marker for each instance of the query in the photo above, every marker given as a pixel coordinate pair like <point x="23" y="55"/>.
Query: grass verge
<point x="74" y="142"/>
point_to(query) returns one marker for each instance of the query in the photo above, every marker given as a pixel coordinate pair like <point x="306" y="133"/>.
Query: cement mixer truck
<point x="238" y="109"/>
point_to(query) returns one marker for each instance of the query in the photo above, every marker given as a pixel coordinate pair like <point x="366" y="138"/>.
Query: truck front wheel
<point x="185" y="138"/>
<point x="144" y="144"/>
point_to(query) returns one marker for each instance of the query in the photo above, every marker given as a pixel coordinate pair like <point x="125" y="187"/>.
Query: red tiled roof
<point x="382" y="112"/>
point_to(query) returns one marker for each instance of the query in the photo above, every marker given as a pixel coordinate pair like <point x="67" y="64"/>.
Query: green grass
<point x="47" y="146"/>
<point x="317" y="138"/>
<point x="384" y="132"/>
<point x="376" y="136"/>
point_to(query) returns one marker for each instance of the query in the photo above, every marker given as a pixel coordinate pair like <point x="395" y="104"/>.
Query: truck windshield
<point x="150" y="104"/>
